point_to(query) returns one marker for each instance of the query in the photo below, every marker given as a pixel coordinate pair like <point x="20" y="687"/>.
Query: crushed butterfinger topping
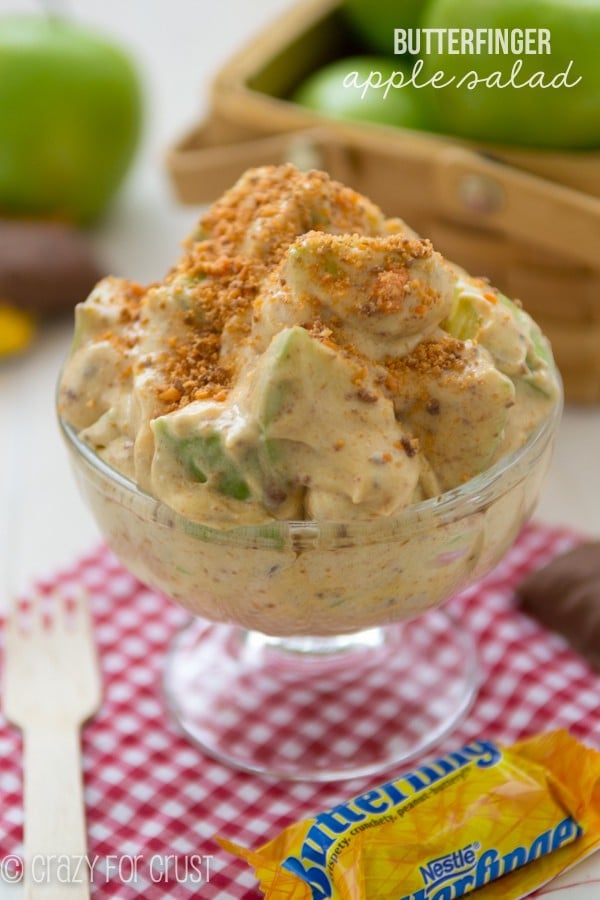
<point x="388" y="295"/>
<point x="269" y="208"/>
<point x="217" y="288"/>
<point x="430" y="358"/>
<point x="240" y="238"/>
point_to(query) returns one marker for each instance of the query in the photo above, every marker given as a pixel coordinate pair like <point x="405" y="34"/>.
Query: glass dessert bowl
<point x="318" y="649"/>
<point x="286" y="435"/>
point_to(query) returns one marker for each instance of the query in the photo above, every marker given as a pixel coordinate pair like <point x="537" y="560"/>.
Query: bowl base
<point x="320" y="708"/>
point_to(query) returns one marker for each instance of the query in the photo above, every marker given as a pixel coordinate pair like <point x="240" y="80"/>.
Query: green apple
<point x="70" y="117"/>
<point x="362" y="88"/>
<point x="374" y="21"/>
<point x="553" y="116"/>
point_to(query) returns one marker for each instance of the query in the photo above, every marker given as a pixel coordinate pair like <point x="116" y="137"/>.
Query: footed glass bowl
<point x="317" y="649"/>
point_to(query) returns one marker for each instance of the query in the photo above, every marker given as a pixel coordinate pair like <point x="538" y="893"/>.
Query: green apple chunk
<point x="552" y="100"/>
<point x="203" y="456"/>
<point x="457" y="407"/>
<point x="70" y="114"/>
<point x="514" y="340"/>
<point x="388" y="292"/>
<point x="98" y="367"/>
<point x="334" y="431"/>
<point x="101" y="313"/>
<point x="208" y="449"/>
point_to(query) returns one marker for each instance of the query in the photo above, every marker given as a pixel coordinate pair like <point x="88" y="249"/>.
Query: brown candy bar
<point x="45" y="266"/>
<point x="565" y="597"/>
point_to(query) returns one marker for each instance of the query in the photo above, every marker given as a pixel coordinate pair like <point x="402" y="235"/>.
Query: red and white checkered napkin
<point x="154" y="801"/>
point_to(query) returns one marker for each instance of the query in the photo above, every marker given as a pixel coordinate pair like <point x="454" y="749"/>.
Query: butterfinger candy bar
<point x="499" y="820"/>
<point x="565" y="596"/>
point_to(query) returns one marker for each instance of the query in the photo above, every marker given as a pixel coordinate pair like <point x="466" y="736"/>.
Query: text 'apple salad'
<point x="306" y="358"/>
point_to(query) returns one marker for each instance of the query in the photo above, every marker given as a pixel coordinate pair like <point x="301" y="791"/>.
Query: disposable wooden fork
<point x="51" y="686"/>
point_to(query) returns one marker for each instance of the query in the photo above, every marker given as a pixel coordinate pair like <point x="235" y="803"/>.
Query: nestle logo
<point x="455" y="863"/>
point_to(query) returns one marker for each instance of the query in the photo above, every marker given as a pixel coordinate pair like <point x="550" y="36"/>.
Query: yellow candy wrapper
<point x="17" y="329"/>
<point x="501" y="821"/>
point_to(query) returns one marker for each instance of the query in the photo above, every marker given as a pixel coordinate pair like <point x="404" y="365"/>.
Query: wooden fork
<point x="51" y="686"/>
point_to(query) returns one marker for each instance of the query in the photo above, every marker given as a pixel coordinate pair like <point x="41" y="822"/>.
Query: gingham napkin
<point x="154" y="801"/>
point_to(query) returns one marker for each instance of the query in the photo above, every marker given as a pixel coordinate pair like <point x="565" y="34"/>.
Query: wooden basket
<point x="529" y="220"/>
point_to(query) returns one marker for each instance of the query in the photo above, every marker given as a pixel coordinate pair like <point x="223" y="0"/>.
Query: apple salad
<point x="307" y="358"/>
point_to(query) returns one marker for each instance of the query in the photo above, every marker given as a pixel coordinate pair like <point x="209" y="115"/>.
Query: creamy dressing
<point x="349" y="370"/>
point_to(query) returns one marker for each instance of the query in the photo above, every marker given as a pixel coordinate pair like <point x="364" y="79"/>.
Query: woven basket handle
<point x="463" y="186"/>
<point x="202" y="169"/>
<point x="478" y="190"/>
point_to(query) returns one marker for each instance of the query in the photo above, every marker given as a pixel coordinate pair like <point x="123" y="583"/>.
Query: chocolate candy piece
<point x="565" y="596"/>
<point x="45" y="266"/>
